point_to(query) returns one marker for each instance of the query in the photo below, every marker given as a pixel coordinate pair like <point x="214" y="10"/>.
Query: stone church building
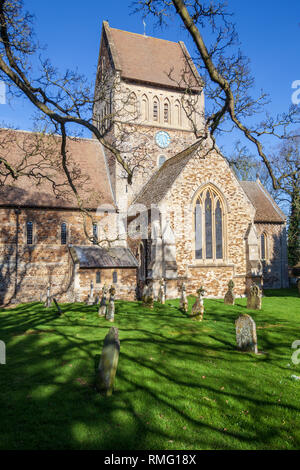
<point x="185" y="217"/>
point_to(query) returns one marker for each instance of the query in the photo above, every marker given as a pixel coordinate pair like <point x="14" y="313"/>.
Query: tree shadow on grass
<point x="177" y="387"/>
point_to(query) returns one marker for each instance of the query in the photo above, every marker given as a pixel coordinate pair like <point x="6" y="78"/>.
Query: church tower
<point x="149" y="101"/>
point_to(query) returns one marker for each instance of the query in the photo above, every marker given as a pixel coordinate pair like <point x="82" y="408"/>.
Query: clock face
<point x="163" y="139"/>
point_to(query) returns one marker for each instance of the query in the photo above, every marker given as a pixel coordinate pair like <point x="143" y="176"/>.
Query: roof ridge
<point x="145" y="36"/>
<point x="188" y="151"/>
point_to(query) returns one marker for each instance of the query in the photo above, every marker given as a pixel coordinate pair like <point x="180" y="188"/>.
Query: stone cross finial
<point x="229" y="296"/>
<point x="198" y="307"/>
<point x="254" y="298"/>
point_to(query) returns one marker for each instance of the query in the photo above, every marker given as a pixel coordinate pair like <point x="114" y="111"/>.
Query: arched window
<point x="209" y="225"/>
<point x="161" y="160"/>
<point x="63" y="233"/>
<point x="115" y="277"/>
<point x="263" y="246"/>
<point x="29" y="233"/>
<point x="166" y="112"/>
<point x="95" y="234"/>
<point x="145" y="108"/>
<point x="155" y="109"/>
<point x="177" y="114"/>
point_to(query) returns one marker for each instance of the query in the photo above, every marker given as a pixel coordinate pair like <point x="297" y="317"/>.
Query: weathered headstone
<point x="254" y="298"/>
<point x="110" y="314"/>
<point x="145" y="294"/>
<point x="108" y="362"/>
<point x="183" y="299"/>
<point x="150" y="296"/>
<point x="91" y="295"/>
<point x="198" y="307"/>
<point x="48" y="299"/>
<point x="229" y="296"/>
<point x="58" y="307"/>
<point x="246" y="334"/>
<point x="162" y="292"/>
<point x="103" y="302"/>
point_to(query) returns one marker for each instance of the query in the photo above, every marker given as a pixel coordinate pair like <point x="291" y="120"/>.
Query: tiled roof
<point x="98" y="257"/>
<point x="150" y="60"/>
<point x="86" y="161"/>
<point x="266" y="208"/>
<point x="159" y="184"/>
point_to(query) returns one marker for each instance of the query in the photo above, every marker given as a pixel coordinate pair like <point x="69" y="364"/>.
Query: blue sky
<point x="269" y="31"/>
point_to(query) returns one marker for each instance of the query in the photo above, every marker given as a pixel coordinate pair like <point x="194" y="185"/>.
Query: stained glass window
<point x="209" y="221"/>
<point x="219" y="235"/>
<point x="208" y="226"/>
<point x="263" y="246"/>
<point x="198" y="230"/>
<point x="63" y="233"/>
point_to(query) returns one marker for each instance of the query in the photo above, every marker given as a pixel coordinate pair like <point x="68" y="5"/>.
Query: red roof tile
<point x="86" y="162"/>
<point x="148" y="59"/>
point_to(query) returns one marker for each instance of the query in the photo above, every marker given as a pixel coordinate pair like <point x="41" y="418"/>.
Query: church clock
<point x="162" y="139"/>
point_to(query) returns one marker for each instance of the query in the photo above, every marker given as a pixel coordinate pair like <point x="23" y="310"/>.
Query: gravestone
<point x="150" y="296"/>
<point x="183" y="299"/>
<point x="229" y="296"/>
<point x="246" y="334"/>
<point x="110" y="314"/>
<point x="103" y="302"/>
<point x="254" y="298"/>
<point x="145" y="294"/>
<point x="108" y="362"/>
<point x="198" y="307"/>
<point x="48" y="299"/>
<point x="161" y="294"/>
<point x="91" y="295"/>
<point x="58" y="307"/>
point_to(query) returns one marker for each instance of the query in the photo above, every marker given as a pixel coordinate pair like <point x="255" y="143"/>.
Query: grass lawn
<point x="179" y="385"/>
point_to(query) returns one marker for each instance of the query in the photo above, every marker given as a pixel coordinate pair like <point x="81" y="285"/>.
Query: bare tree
<point x="226" y="74"/>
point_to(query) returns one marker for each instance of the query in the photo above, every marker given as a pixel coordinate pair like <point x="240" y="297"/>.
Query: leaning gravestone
<point x="145" y="294"/>
<point x="150" y="296"/>
<point x="183" y="299"/>
<point x="161" y="294"/>
<point x="254" y="298"/>
<point x="229" y="296"/>
<point x="246" y="334"/>
<point x="110" y="314"/>
<point x="108" y="362"/>
<point x="91" y="295"/>
<point x="103" y="302"/>
<point x="198" y="307"/>
<point x="48" y="300"/>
